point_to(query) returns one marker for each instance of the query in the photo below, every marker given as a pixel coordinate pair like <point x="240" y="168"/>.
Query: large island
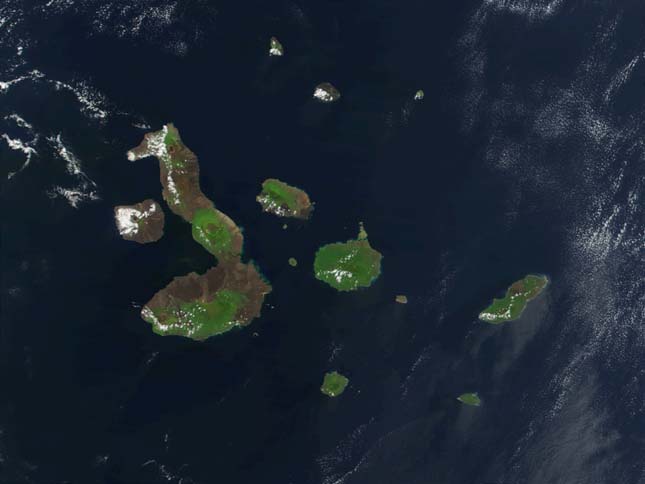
<point x="226" y="296"/>
<point x="347" y="266"/>
<point x="512" y="305"/>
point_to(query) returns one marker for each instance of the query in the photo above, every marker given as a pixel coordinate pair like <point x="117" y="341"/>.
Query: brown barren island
<point x="142" y="222"/>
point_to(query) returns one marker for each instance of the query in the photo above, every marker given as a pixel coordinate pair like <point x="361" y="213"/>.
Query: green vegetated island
<point x="284" y="200"/>
<point x="511" y="306"/>
<point x="470" y="399"/>
<point x="334" y="384"/>
<point x="228" y="295"/>
<point x="347" y="266"/>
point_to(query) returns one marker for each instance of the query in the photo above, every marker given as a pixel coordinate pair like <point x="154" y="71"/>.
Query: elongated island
<point x="229" y="295"/>
<point x="470" y="399"/>
<point x="284" y="200"/>
<point x="512" y="305"/>
<point x="347" y="266"/>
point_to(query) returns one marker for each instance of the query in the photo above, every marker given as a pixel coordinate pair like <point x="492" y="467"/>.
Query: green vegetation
<point x="513" y="304"/>
<point x="334" y="384"/>
<point x="278" y="192"/>
<point x="284" y="200"/>
<point x="172" y="137"/>
<point x="211" y="232"/>
<point x="293" y="262"/>
<point x="175" y="162"/>
<point x="227" y="295"/>
<point x="275" y="47"/>
<point x="173" y="148"/>
<point x="419" y="95"/>
<point x="470" y="399"/>
<point x="196" y="319"/>
<point x="346" y="266"/>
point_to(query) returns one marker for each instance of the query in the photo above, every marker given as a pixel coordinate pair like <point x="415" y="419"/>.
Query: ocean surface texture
<point x="526" y="155"/>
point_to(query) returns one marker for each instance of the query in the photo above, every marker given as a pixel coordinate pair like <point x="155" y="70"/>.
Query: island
<point x="401" y="299"/>
<point x="511" y="306"/>
<point x="275" y="47"/>
<point x="142" y="222"/>
<point x="293" y="262"/>
<point x="470" y="399"/>
<point x="419" y="95"/>
<point x="346" y="266"/>
<point x="200" y="306"/>
<point x="284" y="200"/>
<point x="334" y="384"/>
<point x="326" y="93"/>
<point x="226" y="296"/>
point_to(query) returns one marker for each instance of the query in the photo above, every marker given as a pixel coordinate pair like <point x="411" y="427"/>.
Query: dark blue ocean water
<point x="90" y="395"/>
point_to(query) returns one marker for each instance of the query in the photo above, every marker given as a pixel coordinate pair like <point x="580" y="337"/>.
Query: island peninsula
<point x="325" y="92"/>
<point x="228" y="295"/>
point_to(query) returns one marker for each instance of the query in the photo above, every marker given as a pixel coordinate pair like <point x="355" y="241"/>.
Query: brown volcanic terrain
<point x="142" y="222"/>
<point x="231" y="278"/>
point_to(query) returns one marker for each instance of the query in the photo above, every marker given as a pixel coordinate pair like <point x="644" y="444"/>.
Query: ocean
<point x="525" y="156"/>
